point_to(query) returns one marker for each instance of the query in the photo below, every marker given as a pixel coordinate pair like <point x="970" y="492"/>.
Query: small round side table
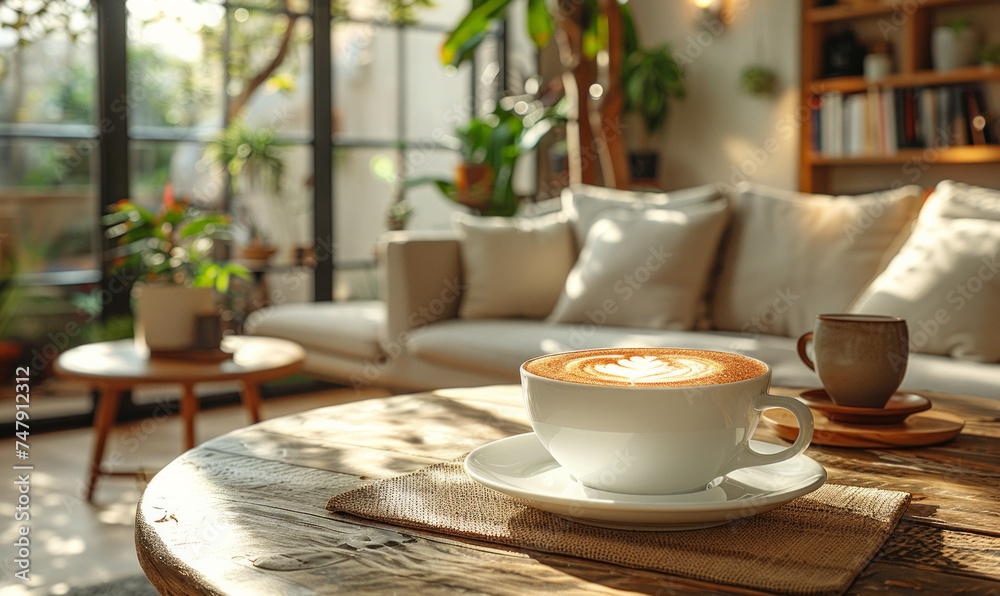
<point x="116" y="366"/>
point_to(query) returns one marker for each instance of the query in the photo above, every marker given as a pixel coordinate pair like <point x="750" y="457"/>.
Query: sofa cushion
<point x="499" y="347"/>
<point x="790" y="256"/>
<point x="496" y="349"/>
<point x="344" y="328"/>
<point x="945" y="281"/>
<point x="954" y="200"/>
<point x="583" y="204"/>
<point x="643" y="268"/>
<point x="513" y="266"/>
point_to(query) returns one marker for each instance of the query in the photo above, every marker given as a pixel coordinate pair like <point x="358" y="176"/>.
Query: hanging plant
<point x="758" y="80"/>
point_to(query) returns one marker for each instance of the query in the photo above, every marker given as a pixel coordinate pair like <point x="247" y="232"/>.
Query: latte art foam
<point x="649" y="367"/>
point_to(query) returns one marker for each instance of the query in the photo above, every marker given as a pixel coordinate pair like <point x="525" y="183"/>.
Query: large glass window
<point x="190" y="74"/>
<point x="48" y="106"/>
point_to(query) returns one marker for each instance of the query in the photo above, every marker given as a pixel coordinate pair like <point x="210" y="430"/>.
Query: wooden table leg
<point x="104" y="419"/>
<point x="251" y="400"/>
<point x="189" y="408"/>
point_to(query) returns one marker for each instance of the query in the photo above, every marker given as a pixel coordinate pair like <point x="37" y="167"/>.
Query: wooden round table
<point x="116" y="366"/>
<point x="245" y="513"/>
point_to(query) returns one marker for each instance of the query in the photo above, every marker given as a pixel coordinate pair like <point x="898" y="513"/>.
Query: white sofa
<point x="416" y="339"/>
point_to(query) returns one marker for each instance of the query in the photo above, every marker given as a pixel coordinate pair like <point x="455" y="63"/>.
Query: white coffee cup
<point x="651" y="440"/>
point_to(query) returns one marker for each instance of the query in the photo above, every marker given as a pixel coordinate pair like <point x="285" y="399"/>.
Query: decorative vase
<point x="877" y="66"/>
<point x="951" y="50"/>
<point x="257" y="251"/>
<point x="166" y="315"/>
<point x="643" y="165"/>
<point x="843" y="55"/>
<point x="474" y="185"/>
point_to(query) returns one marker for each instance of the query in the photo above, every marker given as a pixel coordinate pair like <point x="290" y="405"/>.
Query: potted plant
<point x="10" y="350"/>
<point x="489" y="148"/>
<point x="585" y="33"/>
<point x="168" y="255"/>
<point x="758" y="81"/>
<point x="953" y="45"/>
<point x="651" y="79"/>
<point x="253" y="158"/>
<point x="989" y="55"/>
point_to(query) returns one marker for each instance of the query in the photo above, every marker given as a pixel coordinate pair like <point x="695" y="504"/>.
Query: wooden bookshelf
<point x="853" y="9"/>
<point x="914" y="62"/>
<point x="967" y="154"/>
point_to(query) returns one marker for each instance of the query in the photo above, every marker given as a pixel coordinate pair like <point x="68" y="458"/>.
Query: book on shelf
<point x="881" y="121"/>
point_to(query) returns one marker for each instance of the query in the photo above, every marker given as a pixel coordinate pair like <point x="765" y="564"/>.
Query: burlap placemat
<point x="815" y="544"/>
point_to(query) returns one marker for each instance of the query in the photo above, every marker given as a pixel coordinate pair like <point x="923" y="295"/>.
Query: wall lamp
<point x="714" y="11"/>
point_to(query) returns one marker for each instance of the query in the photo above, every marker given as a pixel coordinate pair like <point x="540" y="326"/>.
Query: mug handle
<point x="748" y="457"/>
<point x="802" y="349"/>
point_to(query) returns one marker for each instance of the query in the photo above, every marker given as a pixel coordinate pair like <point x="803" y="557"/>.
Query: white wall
<point x="719" y="134"/>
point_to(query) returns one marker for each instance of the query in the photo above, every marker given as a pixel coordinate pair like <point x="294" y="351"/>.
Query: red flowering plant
<point x="174" y="245"/>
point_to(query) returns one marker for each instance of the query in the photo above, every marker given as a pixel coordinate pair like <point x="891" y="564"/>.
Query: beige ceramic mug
<point x="860" y="359"/>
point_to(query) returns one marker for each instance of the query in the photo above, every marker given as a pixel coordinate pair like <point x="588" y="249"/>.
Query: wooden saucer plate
<point x="216" y="355"/>
<point x="897" y="409"/>
<point x="927" y="428"/>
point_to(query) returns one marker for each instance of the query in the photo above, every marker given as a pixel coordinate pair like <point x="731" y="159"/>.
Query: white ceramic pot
<point x="950" y="50"/>
<point x="165" y="315"/>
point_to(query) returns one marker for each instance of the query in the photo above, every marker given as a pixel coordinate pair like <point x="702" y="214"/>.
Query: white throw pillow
<point x="952" y="199"/>
<point x="945" y="281"/>
<point x="583" y="204"/>
<point x="513" y="266"/>
<point x="643" y="268"/>
<point x="790" y="256"/>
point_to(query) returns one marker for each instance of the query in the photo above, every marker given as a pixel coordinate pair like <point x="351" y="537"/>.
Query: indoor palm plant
<point x="254" y="160"/>
<point x="592" y="37"/>
<point x="489" y="148"/>
<point x="169" y="256"/>
<point x="651" y="79"/>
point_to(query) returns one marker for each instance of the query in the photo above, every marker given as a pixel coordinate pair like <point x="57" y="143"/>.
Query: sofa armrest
<point x="421" y="275"/>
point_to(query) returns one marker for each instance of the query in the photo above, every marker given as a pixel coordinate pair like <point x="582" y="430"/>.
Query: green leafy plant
<point x="495" y="142"/>
<point x="758" y="80"/>
<point x="582" y="30"/>
<point x="10" y="294"/>
<point x="253" y="152"/>
<point x="651" y="78"/>
<point x="990" y="54"/>
<point x="94" y="328"/>
<point x="174" y="245"/>
<point x="959" y="24"/>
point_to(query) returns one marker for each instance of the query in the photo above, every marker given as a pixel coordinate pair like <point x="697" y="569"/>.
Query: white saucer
<point x="520" y="466"/>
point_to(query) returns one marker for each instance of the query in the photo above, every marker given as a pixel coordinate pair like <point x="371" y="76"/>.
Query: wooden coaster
<point x="927" y="428"/>
<point x="897" y="409"/>
<point x="216" y="355"/>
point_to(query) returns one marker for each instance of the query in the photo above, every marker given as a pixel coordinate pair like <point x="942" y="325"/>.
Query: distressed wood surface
<point x="244" y="513"/>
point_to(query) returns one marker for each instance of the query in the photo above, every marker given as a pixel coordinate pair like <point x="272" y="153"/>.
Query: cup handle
<point x="748" y="457"/>
<point x="802" y="349"/>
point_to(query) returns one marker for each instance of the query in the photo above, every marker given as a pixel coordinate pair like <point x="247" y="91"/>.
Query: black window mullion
<point x="113" y="144"/>
<point x="323" y="193"/>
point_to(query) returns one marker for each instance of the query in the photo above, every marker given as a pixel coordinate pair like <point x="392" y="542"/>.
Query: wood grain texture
<point x="244" y="513"/>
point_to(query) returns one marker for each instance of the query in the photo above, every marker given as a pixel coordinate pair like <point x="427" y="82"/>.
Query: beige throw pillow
<point x="643" y="268"/>
<point x="945" y="281"/>
<point x="583" y="204"/>
<point x="512" y="266"/>
<point x="790" y="256"/>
